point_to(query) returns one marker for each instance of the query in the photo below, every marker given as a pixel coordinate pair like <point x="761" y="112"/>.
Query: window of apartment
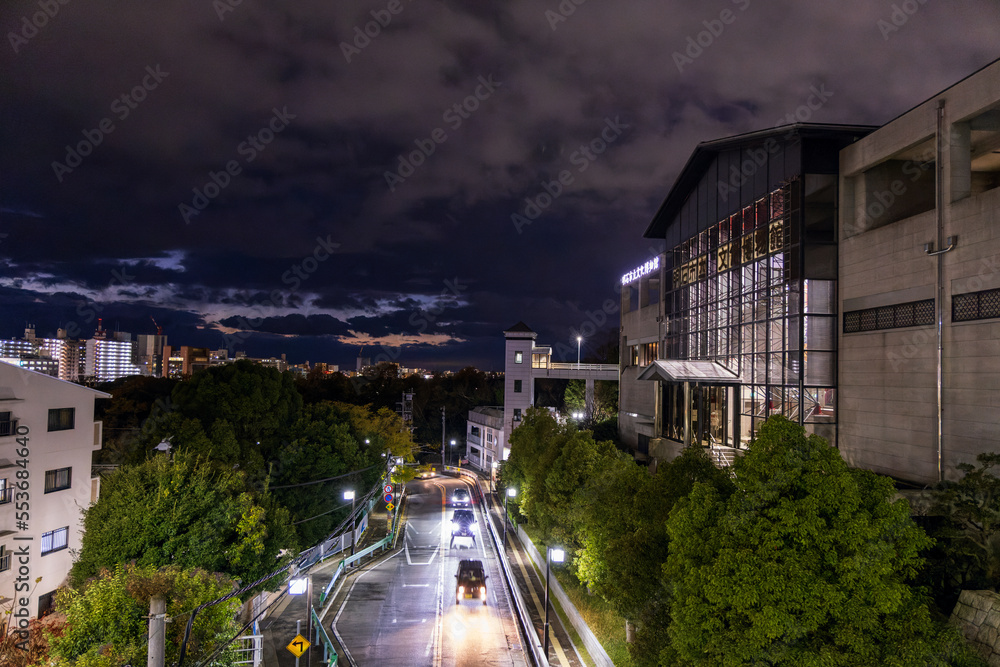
<point x="6" y="491"/>
<point x="57" y="480"/>
<point x="475" y="431"/>
<point x="62" y="419"/>
<point x="517" y="414"/>
<point x="517" y="386"/>
<point x="55" y="540"/>
<point x="519" y="357"/>
<point x="489" y="437"/>
<point x="46" y="603"/>
<point x="8" y="426"/>
<point x="4" y="559"/>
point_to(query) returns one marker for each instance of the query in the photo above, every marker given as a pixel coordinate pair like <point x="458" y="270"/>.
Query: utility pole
<point x="155" y="653"/>
<point x="442" y="439"/>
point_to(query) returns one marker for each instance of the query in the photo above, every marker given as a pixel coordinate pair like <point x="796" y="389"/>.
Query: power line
<point x="326" y="479"/>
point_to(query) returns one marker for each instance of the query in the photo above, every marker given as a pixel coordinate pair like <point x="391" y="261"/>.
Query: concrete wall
<point x="29" y="396"/>
<point x="635" y="397"/>
<point x="887" y="378"/>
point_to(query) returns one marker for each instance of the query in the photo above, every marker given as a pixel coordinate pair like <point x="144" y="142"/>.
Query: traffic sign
<point x="298" y="645"/>
<point x="388" y="497"/>
<point x="388" y="488"/>
<point x="390" y="507"/>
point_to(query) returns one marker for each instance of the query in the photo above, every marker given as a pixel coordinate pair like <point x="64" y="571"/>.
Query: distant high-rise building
<point x="106" y="360"/>
<point x="149" y="354"/>
<point x="185" y="361"/>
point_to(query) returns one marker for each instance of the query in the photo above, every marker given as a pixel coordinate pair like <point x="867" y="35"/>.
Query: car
<point x="425" y="472"/>
<point x="471" y="581"/>
<point x="460" y="498"/>
<point x="462" y="527"/>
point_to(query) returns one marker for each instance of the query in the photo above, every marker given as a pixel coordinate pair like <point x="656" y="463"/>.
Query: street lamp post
<point x="556" y="555"/>
<point x="349" y="495"/>
<point x="579" y="340"/>
<point x="451" y="454"/>
<point x="511" y="492"/>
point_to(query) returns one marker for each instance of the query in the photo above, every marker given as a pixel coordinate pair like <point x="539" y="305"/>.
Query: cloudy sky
<point x="313" y="177"/>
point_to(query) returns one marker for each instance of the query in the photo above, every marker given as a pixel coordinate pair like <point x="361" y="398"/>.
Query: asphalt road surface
<point x="402" y="611"/>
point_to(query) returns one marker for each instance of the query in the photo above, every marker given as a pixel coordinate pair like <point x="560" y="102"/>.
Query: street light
<point x="349" y="495"/>
<point x="579" y="340"/>
<point x="556" y="555"/>
<point x="451" y="454"/>
<point x="511" y="493"/>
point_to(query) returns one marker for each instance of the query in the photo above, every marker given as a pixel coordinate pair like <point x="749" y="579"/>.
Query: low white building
<point x="484" y="438"/>
<point x="47" y="439"/>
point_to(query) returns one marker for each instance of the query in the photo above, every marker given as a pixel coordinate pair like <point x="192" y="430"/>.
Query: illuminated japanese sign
<point x="635" y="274"/>
<point x="757" y="244"/>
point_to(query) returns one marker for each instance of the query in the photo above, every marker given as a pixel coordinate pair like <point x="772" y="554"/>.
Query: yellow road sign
<point x="298" y="645"/>
<point x="390" y="506"/>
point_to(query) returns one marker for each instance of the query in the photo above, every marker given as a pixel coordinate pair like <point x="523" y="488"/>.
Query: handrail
<point x="328" y="647"/>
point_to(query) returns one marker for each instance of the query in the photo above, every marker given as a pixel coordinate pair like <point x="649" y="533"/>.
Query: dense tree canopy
<point x="807" y="562"/>
<point x="107" y="619"/>
<point x="184" y="511"/>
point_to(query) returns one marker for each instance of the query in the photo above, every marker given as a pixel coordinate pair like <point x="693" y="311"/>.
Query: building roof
<point x="706" y="151"/>
<point x="520" y="327"/>
<point x="677" y="370"/>
<point x="48" y="378"/>
<point x="488" y="412"/>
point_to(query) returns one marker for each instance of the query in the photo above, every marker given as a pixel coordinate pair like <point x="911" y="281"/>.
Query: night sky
<point x="267" y="176"/>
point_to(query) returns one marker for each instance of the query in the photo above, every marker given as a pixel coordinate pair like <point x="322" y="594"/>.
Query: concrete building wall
<point x="637" y="400"/>
<point x="888" y="377"/>
<point x="29" y="397"/>
<point x="517" y="402"/>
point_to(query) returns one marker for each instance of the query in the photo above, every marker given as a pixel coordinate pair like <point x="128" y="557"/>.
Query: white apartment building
<point x="106" y="360"/>
<point x="47" y="438"/>
<point x="485" y="445"/>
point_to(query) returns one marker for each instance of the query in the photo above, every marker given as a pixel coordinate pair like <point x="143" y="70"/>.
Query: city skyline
<point x="407" y="178"/>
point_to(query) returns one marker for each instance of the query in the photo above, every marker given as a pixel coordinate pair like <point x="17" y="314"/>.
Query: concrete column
<point x="958" y="162"/>
<point x="156" y="651"/>
<point x="687" y="414"/>
<point x="589" y="393"/>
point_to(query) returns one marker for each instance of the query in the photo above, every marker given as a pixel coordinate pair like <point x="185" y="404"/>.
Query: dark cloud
<point x="530" y="89"/>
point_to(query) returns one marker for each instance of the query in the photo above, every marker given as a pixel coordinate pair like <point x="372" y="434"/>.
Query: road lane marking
<point x="541" y="609"/>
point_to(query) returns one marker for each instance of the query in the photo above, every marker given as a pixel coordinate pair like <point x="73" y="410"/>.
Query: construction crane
<point x="159" y="329"/>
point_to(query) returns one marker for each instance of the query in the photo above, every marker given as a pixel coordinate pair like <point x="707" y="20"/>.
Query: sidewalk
<point x="278" y="629"/>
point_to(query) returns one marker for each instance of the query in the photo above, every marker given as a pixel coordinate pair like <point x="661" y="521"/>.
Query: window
<point x="912" y="314"/>
<point x="475" y="431"/>
<point x="517" y="414"/>
<point x="55" y="540"/>
<point x="4" y="559"/>
<point x="57" y="480"/>
<point x="62" y="419"/>
<point x="982" y="305"/>
<point x="519" y="357"/>
<point x="517" y="386"/>
<point x="46" y="604"/>
<point x="8" y="426"/>
<point x="6" y="491"/>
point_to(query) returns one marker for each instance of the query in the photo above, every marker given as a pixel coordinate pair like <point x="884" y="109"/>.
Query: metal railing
<point x="250" y="650"/>
<point x="330" y="656"/>
<point x="561" y="366"/>
<point x="8" y="428"/>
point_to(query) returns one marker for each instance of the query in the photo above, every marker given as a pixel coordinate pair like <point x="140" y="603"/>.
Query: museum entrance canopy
<point x="676" y="370"/>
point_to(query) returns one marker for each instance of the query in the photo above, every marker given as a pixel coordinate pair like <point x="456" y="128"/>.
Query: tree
<point x="605" y="399"/>
<point x="107" y="619"/>
<point x="807" y="562"/>
<point x="626" y="542"/>
<point x="968" y="550"/>
<point x="188" y="512"/>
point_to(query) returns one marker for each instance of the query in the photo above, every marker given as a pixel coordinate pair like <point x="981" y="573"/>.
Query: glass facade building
<point x="747" y="287"/>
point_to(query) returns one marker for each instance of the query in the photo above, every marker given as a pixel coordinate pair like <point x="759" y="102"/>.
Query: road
<point x="403" y="612"/>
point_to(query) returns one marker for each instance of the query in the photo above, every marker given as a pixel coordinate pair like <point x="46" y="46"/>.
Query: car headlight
<point x="461" y="589"/>
<point x="482" y="591"/>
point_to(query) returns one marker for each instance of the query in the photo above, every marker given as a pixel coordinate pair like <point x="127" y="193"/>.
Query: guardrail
<point x="527" y="627"/>
<point x="388" y="540"/>
<point x="329" y="652"/>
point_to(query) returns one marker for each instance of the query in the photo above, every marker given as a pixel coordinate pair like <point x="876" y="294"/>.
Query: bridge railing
<point x="560" y="366"/>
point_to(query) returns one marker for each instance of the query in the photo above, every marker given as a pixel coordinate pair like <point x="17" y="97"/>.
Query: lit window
<point x="517" y="414"/>
<point x="55" y="540"/>
<point x="518" y="357"/>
